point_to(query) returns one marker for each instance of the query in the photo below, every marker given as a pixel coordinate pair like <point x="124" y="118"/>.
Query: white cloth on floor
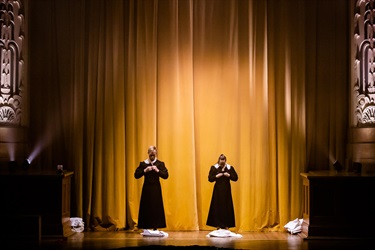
<point x="154" y="233"/>
<point x="77" y="224"/>
<point x="223" y="233"/>
<point x="294" y="226"/>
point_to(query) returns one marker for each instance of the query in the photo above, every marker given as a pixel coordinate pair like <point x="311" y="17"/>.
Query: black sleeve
<point x="163" y="171"/>
<point x="139" y="172"/>
<point x="233" y="174"/>
<point x="212" y="174"/>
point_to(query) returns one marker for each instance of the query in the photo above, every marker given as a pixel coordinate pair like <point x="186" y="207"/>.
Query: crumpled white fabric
<point x="223" y="233"/>
<point x="77" y="224"/>
<point x="294" y="226"/>
<point x="154" y="233"/>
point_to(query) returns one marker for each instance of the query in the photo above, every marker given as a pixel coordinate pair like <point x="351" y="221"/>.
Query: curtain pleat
<point x="250" y="79"/>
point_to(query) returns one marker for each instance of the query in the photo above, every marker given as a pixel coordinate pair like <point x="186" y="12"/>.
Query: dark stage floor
<point x="186" y="240"/>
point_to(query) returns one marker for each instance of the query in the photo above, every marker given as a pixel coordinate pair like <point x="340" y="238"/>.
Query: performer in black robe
<point x="151" y="209"/>
<point x="221" y="213"/>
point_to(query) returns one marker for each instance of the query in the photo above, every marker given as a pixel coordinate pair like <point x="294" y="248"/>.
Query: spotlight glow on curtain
<point x="196" y="78"/>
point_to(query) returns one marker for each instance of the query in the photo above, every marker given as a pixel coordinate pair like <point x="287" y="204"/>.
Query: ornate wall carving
<point x="361" y="140"/>
<point x="11" y="42"/>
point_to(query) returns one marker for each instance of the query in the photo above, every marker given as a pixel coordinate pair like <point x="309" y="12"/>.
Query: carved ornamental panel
<point x="364" y="62"/>
<point x="11" y="42"/>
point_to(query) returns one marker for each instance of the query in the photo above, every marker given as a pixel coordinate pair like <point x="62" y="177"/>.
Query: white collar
<point x="226" y="165"/>
<point x="147" y="161"/>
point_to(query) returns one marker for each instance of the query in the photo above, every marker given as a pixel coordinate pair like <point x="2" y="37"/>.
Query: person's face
<point x="222" y="162"/>
<point x="152" y="155"/>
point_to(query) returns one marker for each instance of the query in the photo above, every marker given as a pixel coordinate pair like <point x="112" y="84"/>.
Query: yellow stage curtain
<point x="196" y="78"/>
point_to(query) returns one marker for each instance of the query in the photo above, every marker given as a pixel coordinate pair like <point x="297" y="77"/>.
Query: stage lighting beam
<point x="26" y="164"/>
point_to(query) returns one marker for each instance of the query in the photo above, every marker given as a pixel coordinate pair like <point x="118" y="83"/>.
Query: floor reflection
<point x="189" y="239"/>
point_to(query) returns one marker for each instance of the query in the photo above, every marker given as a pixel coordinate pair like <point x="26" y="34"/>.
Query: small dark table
<point x="338" y="205"/>
<point x="36" y="203"/>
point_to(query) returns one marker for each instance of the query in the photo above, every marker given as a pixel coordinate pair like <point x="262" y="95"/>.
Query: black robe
<point x="221" y="213"/>
<point x="151" y="209"/>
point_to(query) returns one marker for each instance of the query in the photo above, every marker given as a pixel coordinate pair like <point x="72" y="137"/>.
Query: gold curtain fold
<point x="196" y="78"/>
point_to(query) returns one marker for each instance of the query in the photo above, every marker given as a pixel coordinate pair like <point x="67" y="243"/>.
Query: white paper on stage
<point x="294" y="226"/>
<point x="154" y="233"/>
<point x="223" y="233"/>
<point x="77" y="224"/>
